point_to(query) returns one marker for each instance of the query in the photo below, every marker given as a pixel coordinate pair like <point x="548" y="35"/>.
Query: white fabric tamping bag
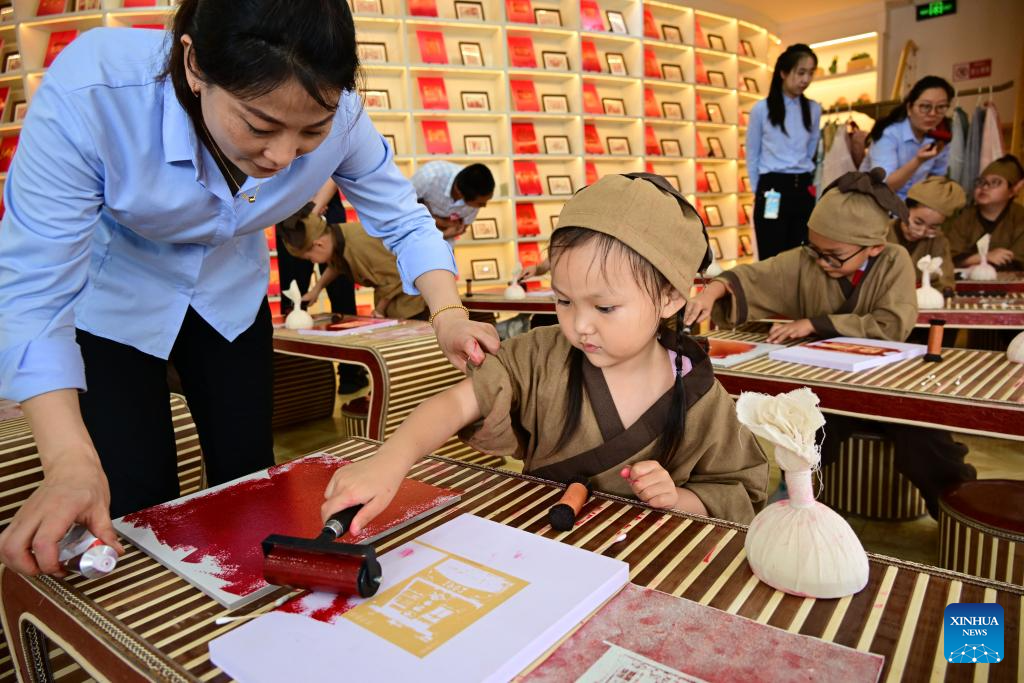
<point x="1015" y="351"/>
<point x="928" y="296"/>
<point x="514" y="289"/>
<point x="799" y="546"/>
<point x="983" y="272"/>
<point x="298" y="319"/>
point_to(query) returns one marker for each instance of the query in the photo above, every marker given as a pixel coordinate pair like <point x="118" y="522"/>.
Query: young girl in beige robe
<point x="610" y="393"/>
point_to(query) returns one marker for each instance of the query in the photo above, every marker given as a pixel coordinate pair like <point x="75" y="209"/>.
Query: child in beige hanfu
<point x="610" y="393"/>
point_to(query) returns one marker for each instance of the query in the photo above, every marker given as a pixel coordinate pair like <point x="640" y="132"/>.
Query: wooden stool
<point x="864" y="482"/>
<point x="303" y="389"/>
<point x="354" y="416"/>
<point x="981" y="529"/>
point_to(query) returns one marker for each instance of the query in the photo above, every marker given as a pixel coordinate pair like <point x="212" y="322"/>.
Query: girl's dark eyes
<point x="605" y="309"/>
<point x="561" y="302"/>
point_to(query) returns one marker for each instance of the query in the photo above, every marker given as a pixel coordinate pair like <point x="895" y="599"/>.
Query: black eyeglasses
<point x="830" y="259"/>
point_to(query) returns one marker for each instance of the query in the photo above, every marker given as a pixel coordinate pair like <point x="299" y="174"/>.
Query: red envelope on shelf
<point x="698" y="34"/>
<point x="651" y="67"/>
<point x="8" y="147"/>
<point x="521" y="53"/>
<point x="529" y="254"/>
<point x="702" y="112"/>
<point x="702" y="179"/>
<point x="591" y="100"/>
<point x="591" y="62"/>
<point x="651" y="104"/>
<point x="435" y="134"/>
<point x="649" y="167"/>
<point x="702" y="72"/>
<point x="700" y="209"/>
<point x="591" y="172"/>
<point x="524" y="139"/>
<point x="524" y="95"/>
<point x="527" y="178"/>
<point x="651" y="142"/>
<point x="741" y="216"/>
<point x="432" y="49"/>
<point x="423" y="8"/>
<point x="590" y="16"/>
<point x="520" y="11"/>
<point x="650" y="27"/>
<point x="58" y="41"/>
<point x="527" y="224"/>
<point x="700" y="150"/>
<point x="591" y="140"/>
<point x="433" y="94"/>
<point x="140" y="3"/>
<point x="48" y="7"/>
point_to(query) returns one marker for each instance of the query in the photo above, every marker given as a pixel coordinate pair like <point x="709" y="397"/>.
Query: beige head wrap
<point x="1006" y="167"/>
<point x="941" y="194"/>
<point x="301" y="229"/>
<point x="856" y="209"/>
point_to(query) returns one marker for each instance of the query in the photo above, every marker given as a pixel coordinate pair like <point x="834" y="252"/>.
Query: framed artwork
<point x="715" y="148"/>
<point x="746" y="246"/>
<point x="484" y="268"/>
<point x="616" y="22"/>
<point x="618" y="146"/>
<point x="476" y="101"/>
<point x="748" y="211"/>
<point x="556" y="144"/>
<point x="613" y="106"/>
<point x="672" y="110"/>
<point x="555" y="61"/>
<point x="547" y="17"/>
<point x="746" y="48"/>
<point x="616" y="63"/>
<point x="368" y="6"/>
<point x="716" y="248"/>
<point x="7" y="13"/>
<point x="12" y="62"/>
<point x="671" y="34"/>
<point x="372" y="52"/>
<point x="714" y="216"/>
<point x="745" y="183"/>
<point x="671" y="148"/>
<point x="554" y="222"/>
<point x="83" y="5"/>
<point x="751" y="84"/>
<point x="717" y="79"/>
<point x="484" y="229"/>
<point x="714" y="185"/>
<point x="377" y="99"/>
<point x="714" y="111"/>
<point x="464" y="9"/>
<point x="673" y="180"/>
<point x="716" y="42"/>
<point x="472" y="54"/>
<point x="478" y="145"/>
<point x="391" y="141"/>
<point x="672" y="72"/>
<point x="559" y="185"/>
<point x="555" y="104"/>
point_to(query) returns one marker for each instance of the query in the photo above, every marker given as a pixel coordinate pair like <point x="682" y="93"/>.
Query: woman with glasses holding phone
<point x="994" y="213"/>
<point x="909" y="142"/>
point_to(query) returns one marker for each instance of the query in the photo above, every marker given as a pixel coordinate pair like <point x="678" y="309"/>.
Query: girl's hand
<point x="783" y="332"/>
<point x="463" y="340"/>
<point x="651" y="483"/>
<point x="377" y="314"/>
<point x="528" y="272"/>
<point x="372" y="482"/>
<point x="999" y="256"/>
<point x="698" y="309"/>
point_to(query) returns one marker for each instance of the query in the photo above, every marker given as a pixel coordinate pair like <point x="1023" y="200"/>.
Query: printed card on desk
<point x="212" y="538"/>
<point x="849" y="354"/>
<point x="725" y="353"/>
<point x="471" y="600"/>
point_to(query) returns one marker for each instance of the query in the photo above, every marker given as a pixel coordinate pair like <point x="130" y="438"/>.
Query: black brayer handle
<point x="338" y="523"/>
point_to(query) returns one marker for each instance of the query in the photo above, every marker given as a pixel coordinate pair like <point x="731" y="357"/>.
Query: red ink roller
<point x="934" y="354"/>
<point x="562" y="516"/>
<point x="320" y="564"/>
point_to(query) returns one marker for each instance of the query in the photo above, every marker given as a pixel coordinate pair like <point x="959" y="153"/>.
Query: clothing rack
<point x="878" y="109"/>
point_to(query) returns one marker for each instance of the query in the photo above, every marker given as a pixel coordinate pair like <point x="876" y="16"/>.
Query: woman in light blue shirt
<point x="900" y="142"/>
<point x="782" y="139"/>
<point x="148" y="166"/>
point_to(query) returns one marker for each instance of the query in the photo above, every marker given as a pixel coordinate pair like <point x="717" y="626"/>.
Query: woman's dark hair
<point x="474" y="181"/>
<point x="250" y="47"/>
<point x="786" y="62"/>
<point x="651" y="280"/>
<point x="899" y="113"/>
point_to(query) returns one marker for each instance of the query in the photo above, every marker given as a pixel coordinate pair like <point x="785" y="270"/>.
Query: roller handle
<point x="338" y="523"/>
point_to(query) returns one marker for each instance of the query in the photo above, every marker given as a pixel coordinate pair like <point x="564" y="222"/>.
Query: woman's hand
<point x="928" y="152"/>
<point x="463" y="340"/>
<point x="783" y="332"/>
<point x="74" y="490"/>
<point x="651" y="483"/>
<point x="372" y="483"/>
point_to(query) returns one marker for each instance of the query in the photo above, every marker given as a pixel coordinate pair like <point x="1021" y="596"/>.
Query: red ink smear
<point x="228" y="525"/>
<point x="707" y="558"/>
<point x="405" y="552"/>
<point x="517" y="556"/>
<point x="328" y="614"/>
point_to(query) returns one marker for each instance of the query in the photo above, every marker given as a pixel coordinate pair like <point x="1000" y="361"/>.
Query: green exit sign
<point x="938" y="8"/>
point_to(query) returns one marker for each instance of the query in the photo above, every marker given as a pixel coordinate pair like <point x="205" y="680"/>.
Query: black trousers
<point x="929" y="458"/>
<point x="790" y="228"/>
<point x="228" y="385"/>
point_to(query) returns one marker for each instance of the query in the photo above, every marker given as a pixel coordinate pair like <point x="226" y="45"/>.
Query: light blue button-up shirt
<point x="769" y="150"/>
<point x="897" y="147"/>
<point x="118" y="219"/>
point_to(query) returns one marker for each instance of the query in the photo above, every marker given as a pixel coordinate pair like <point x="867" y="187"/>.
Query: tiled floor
<point x="916" y="541"/>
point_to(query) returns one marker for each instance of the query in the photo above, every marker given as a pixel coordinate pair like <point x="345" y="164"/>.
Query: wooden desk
<point x="989" y="399"/>
<point x="406" y="366"/>
<point x="1005" y="282"/>
<point x="495" y="302"/>
<point x="143" y="622"/>
<point x="1004" y="312"/>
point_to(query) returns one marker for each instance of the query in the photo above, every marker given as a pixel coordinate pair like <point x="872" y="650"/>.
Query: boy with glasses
<point x="996" y="213"/>
<point x="930" y="203"/>
<point x="847" y="281"/>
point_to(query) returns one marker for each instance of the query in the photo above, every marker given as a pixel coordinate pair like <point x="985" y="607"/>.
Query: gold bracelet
<point x="446" y="308"/>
